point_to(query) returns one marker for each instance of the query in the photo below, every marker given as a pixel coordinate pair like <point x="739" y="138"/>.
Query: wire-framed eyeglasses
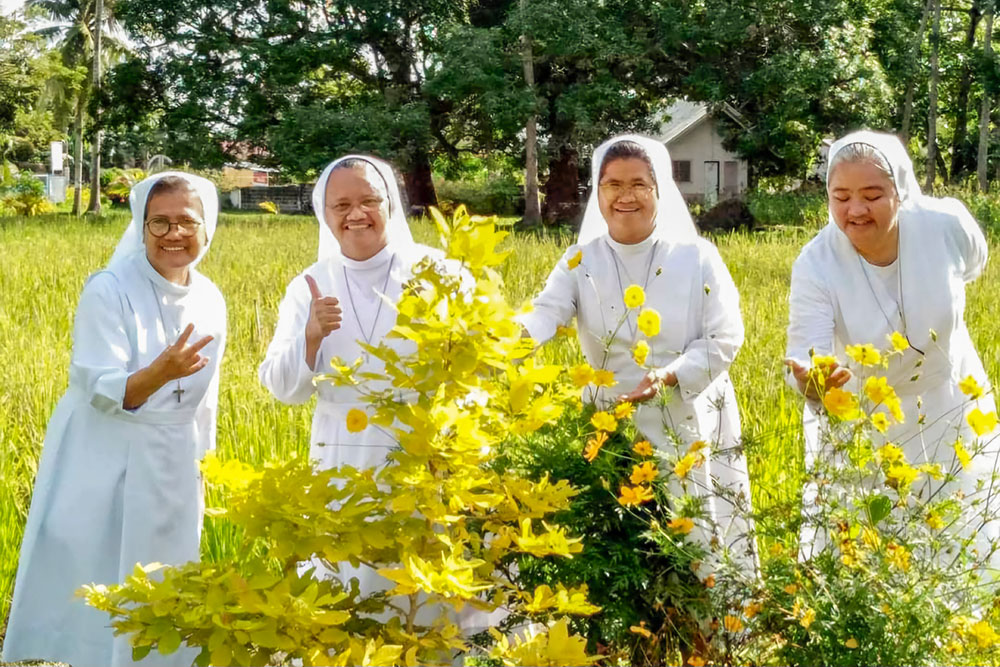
<point x="160" y="227"/>
<point x="616" y="190"/>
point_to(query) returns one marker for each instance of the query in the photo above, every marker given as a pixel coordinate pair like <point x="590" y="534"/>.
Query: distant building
<point x="704" y="170"/>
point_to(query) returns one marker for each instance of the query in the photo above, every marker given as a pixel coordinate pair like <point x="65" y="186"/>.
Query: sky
<point x="7" y="6"/>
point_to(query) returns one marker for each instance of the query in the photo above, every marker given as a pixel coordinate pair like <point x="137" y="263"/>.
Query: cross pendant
<point x="178" y="391"/>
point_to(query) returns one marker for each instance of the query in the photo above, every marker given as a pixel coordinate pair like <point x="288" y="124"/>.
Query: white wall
<point x="700" y="144"/>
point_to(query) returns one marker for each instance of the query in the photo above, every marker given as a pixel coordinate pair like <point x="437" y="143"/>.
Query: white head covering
<point x="673" y="220"/>
<point x="397" y="229"/>
<point x="131" y="241"/>
<point x="894" y="153"/>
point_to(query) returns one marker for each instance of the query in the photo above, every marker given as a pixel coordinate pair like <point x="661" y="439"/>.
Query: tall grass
<point x="46" y="261"/>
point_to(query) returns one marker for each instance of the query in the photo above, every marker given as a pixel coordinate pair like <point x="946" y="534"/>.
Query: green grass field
<point x="46" y="260"/>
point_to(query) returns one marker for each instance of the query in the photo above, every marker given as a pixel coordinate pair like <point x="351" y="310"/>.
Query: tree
<point x="932" y="149"/>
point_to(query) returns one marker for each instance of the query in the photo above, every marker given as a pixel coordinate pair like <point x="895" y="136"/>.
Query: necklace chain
<point x="166" y="336"/>
<point x="378" y="311"/>
<point x="899" y="295"/>
<point x="645" y="282"/>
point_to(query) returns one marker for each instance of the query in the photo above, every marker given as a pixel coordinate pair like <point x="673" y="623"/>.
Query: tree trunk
<point x="562" y="201"/>
<point x="960" y="161"/>
<point x="78" y="157"/>
<point x="912" y="79"/>
<point x="95" y="148"/>
<point x="933" y="100"/>
<point x="419" y="184"/>
<point x="984" y="109"/>
<point x="532" y="212"/>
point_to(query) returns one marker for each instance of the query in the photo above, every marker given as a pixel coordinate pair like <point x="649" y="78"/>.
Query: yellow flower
<point x="900" y="476"/>
<point x="895" y="407"/>
<point x="933" y="470"/>
<point x="687" y="462"/>
<point x="840" y="403"/>
<point x="963" y="455"/>
<point x="640" y="352"/>
<point x="898" y="341"/>
<point x="634" y="296"/>
<point x="636" y="495"/>
<point x="934" y="520"/>
<point x="649" y="322"/>
<point x="878" y="390"/>
<point x="982" y="423"/>
<point x="890" y="453"/>
<point x="971" y="388"/>
<point x="696" y="661"/>
<point x="732" y="623"/>
<point x="594" y="446"/>
<point x="357" y="420"/>
<point x="984" y="634"/>
<point x="851" y="643"/>
<point x="644" y="472"/>
<point x="643" y="448"/>
<point x="582" y="375"/>
<point x="604" y="378"/>
<point x="824" y="363"/>
<point x="682" y="525"/>
<point x="752" y="609"/>
<point x="624" y="410"/>
<point x="898" y="556"/>
<point x="791" y="589"/>
<point x="575" y="260"/>
<point x="604" y="421"/>
<point x="777" y="549"/>
<point x="880" y="422"/>
<point x="866" y="354"/>
<point x="709" y="581"/>
<point x="808" y="616"/>
<point x="871" y="537"/>
<point x="641" y="630"/>
<point x="565" y="332"/>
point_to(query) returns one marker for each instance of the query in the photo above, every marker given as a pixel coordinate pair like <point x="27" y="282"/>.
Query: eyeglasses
<point x="616" y="190"/>
<point x="160" y="227"/>
<point x="368" y="205"/>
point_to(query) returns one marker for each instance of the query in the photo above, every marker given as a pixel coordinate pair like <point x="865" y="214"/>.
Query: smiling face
<point x="356" y="212"/>
<point x="627" y="197"/>
<point x="864" y="205"/>
<point x="171" y="254"/>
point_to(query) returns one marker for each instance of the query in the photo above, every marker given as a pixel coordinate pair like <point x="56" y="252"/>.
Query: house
<point x="704" y="171"/>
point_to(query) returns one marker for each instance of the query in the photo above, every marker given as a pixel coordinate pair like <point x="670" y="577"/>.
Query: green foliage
<point x="117" y="183"/>
<point x="26" y="197"/>
<point x="500" y="195"/>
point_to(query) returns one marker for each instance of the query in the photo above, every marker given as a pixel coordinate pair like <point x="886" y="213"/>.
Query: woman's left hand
<point x="649" y="387"/>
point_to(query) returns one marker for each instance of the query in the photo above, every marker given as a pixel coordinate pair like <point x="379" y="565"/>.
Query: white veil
<point x="397" y="229"/>
<point x="892" y="149"/>
<point x="673" y="220"/>
<point x="131" y="241"/>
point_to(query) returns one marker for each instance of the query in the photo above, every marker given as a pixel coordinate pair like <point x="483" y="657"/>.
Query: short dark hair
<point x="167" y="184"/>
<point x="626" y="150"/>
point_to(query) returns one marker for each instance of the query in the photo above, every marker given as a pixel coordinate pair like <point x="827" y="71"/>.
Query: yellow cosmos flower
<point x="594" y="446"/>
<point x="575" y="260"/>
<point x="604" y="378"/>
<point x="357" y="420"/>
<point x="604" y="421"/>
<point x="934" y="520"/>
<point x="842" y="404"/>
<point x="565" y="332"/>
<point x="898" y="341"/>
<point x="982" y="423"/>
<point x="709" y="581"/>
<point x="644" y="472"/>
<point x="732" y="623"/>
<point x="877" y="389"/>
<point x="899" y="557"/>
<point x="640" y="630"/>
<point x="687" y="462"/>
<point x="649" y="322"/>
<point x="984" y="634"/>
<point x="682" y="525"/>
<point x="962" y="454"/>
<point x="890" y="453"/>
<point x="634" y="296"/>
<point x="895" y="407"/>
<point x="624" y="410"/>
<point x="851" y="643"/>
<point x="791" y="589"/>
<point x="900" y="476"/>
<point x="696" y="661"/>
<point x="971" y="388"/>
<point x="871" y="538"/>
<point x="808" y="617"/>
<point x="643" y="448"/>
<point x="880" y="422"/>
<point x="640" y="352"/>
<point x="634" y="495"/>
<point x="866" y="354"/>
<point x="582" y="375"/>
<point x="752" y="609"/>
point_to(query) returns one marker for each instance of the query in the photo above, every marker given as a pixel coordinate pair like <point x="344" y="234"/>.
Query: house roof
<point x="684" y="115"/>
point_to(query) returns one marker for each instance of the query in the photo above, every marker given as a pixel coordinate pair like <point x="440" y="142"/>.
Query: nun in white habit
<point x="118" y="481"/>
<point x="893" y="260"/>
<point x="637" y="231"/>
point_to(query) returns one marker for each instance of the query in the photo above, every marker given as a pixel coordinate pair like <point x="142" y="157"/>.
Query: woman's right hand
<point x="324" y="318"/>
<point x="837" y="378"/>
<point x="177" y="361"/>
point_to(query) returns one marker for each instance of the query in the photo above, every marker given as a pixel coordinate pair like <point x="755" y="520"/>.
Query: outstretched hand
<point x="180" y="359"/>
<point x="837" y="378"/>
<point x="648" y="387"/>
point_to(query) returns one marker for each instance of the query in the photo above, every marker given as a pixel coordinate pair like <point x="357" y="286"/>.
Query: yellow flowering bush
<point x="439" y="520"/>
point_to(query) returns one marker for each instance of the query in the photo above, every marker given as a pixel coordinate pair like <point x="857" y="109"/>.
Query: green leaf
<point x="879" y="508"/>
<point x="169" y="642"/>
<point x="140" y="652"/>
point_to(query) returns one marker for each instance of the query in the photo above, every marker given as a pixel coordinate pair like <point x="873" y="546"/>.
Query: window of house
<point x="682" y="171"/>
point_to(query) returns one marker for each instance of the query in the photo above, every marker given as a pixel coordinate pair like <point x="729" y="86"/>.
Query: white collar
<point x="378" y="260"/>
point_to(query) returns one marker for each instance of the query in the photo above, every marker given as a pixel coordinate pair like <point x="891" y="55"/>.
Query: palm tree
<point x="74" y="30"/>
